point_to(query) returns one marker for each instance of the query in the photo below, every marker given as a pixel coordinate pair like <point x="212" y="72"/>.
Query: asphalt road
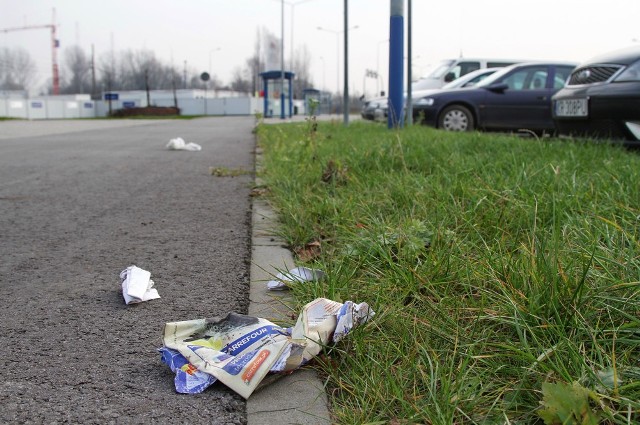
<point x="79" y="202"/>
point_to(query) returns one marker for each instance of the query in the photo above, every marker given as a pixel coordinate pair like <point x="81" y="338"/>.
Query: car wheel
<point x="456" y="118"/>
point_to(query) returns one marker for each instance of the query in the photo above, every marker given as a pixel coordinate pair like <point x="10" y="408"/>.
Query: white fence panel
<point x="237" y="106"/>
<point x="216" y="106"/>
<point x="17" y="108"/>
<point x="87" y="109"/>
<point x="37" y="109"/>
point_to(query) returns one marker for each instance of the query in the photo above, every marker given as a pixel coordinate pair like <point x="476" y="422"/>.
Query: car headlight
<point x="632" y="73"/>
<point x="425" y="101"/>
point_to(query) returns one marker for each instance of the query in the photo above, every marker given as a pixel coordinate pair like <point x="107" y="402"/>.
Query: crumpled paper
<point x="137" y="285"/>
<point x="299" y="274"/>
<point x="240" y="350"/>
<point x="178" y="144"/>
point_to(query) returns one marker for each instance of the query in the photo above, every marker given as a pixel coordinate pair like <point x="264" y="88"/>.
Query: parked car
<point x="514" y="98"/>
<point x="602" y="98"/>
<point x="449" y="70"/>
<point x="377" y="108"/>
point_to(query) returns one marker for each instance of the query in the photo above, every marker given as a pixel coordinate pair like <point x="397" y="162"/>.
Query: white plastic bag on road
<point x="178" y="144"/>
<point x="137" y="285"/>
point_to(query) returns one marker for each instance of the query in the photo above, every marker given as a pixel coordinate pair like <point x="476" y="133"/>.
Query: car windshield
<point x="471" y="79"/>
<point x="440" y="69"/>
<point x="494" y="77"/>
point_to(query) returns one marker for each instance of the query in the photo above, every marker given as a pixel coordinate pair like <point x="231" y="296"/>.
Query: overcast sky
<point x="224" y="31"/>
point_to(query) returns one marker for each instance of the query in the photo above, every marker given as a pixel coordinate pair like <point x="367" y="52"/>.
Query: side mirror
<point x="449" y="77"/>
<point x="498" y="87"/>
<point x="382" y="93"/>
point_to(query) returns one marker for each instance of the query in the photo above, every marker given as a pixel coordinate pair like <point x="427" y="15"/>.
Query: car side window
<point x="515" y="81"/>
<point x="463" y="68"/>
<point x="561" y="77"/>
<point x="467" y="67"/>
<point x="498" y="64"/>
<point x="538" y="80"/>
<point x="534" y="78"/>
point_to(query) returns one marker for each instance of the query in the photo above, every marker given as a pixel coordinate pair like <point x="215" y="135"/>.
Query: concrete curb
<point x="298" y="398"/>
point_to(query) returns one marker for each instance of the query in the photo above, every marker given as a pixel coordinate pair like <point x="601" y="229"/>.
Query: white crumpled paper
<point x="240" y="350"/>
<point x="178" y="144"/>
<point x="137" y="285"/>
<point x="299" y="274"/>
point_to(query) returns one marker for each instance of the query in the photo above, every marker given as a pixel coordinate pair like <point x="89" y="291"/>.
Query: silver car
<point x="377" y="108"/>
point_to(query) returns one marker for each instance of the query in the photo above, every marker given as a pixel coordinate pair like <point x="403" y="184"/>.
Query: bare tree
<point x="301" y="65"/>
<point x="17" y="69"/>
<point x="108" y="72"/>
<point x="266" y="49"/>
<point x="256" y="63"/>
<point x="76" y="72"/>
<point x="241" y="81"/>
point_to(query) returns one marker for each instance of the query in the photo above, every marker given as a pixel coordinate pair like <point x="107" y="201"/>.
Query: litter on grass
<point x="299" y="274"/>
<point x="178" y="144"/>
<point x="137" y="285"/>
<point x="240" y="351"/>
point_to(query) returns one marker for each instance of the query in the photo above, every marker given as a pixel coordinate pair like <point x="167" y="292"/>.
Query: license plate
<point x="572" y="108"/>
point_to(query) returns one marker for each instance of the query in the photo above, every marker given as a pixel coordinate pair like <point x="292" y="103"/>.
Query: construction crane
<point x="54" y="45"/>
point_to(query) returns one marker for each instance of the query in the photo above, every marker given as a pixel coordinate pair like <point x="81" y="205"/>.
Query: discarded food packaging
<point x="240" y="350"/>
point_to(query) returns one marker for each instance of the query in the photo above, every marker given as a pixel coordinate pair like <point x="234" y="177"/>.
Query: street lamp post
<point x="324" y="86"/>
<point x="337" y="34"/>
<point x="293" y="7"/>
<point x="210" y="70"/>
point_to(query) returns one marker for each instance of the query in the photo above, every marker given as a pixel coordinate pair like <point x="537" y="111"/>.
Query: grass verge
<point x="504" y="271"/>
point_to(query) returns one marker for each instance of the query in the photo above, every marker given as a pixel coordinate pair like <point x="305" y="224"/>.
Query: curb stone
<point x="298" y="398"/>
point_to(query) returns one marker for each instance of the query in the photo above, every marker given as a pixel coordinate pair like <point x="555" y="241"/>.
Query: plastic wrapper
<point x="299" y="274"/>
<point x="240" y="350"/>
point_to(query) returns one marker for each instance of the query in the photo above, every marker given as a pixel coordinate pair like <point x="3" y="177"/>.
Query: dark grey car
<point x="601" y="99"/>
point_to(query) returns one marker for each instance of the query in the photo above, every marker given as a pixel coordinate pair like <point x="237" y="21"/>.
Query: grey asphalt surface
<point x="78" y="204"/>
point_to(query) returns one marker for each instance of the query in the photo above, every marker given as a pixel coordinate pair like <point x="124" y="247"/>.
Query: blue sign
<point x="36" y="104"/>
<point x="111" y="96"/>
<point x="88" y="105"/>
<point x="129" y="104"/>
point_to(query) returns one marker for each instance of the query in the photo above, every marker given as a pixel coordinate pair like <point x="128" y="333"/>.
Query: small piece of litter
<point x="137" y="285"/>
<point x="178" y="144"/>
<point x="299" y="274"/>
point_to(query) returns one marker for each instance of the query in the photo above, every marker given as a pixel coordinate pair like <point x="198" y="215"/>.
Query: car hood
<point x="622" y="57"/>
<point x="426" y="83"/>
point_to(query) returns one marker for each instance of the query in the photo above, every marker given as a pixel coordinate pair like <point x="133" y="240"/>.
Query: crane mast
<point x="54" y="46"/>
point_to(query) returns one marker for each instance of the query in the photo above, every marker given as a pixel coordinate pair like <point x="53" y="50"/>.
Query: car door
<point x="519" y="100"/>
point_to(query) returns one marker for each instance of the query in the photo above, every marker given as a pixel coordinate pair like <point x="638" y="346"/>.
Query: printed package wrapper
<point x="240" y="350"/>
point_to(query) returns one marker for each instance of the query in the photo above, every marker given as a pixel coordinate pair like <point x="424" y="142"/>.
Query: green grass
<point x="500" y="269"/>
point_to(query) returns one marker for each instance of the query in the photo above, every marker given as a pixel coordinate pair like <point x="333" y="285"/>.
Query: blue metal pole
<point x="265" y="87"/>
<point x="282" y="61"/>
<point x="290" y="96"/>
<point x="396" y="64"/>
